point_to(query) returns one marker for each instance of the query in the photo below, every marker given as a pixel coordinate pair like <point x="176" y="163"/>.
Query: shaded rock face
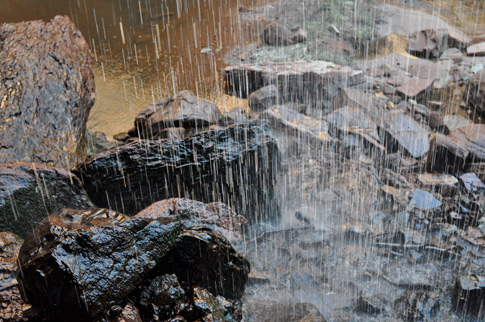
<point x="215" y="215"/>
<point x="12" y="307"/>
<point x="80" y="264"/>
<point x="29" y="192"/>
<point x="313" y="83"/>
<point x="215" y="165"/>
<point x="476" y="92"/>
<point x="182" y="110"/>
<point x="428" y="43"/>
<point x="46" y="90"/>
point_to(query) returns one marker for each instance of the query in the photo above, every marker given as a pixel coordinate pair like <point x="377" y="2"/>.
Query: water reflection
<point x="144" y="49"/>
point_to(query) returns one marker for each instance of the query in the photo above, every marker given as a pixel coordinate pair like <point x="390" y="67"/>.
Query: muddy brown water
<point x="146" y="49"/>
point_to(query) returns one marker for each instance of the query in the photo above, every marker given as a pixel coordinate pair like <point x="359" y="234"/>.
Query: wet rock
<point x="406" y="133"/>
<point x="313" y="83"/>
<point x="354" y="120"/>
<point x="373" y="305"/>
<point x="471" y="182"/>
<point x="414" y="277"/>
<point x="12" y="307"/>
<point x="215" y="215"/>
<point x="129" y="313"/>
<point x="476" y="49"/>
<point x="417" y="88"/>
<point x="423" y="200"/>
<point x="428" y="43"/>
<point x="446" y="154"/>
<point x="476" y="92"/>
<point x="302" y="126"/>
<point x="275" y="34"/>
<point x="29" y="192"/>
<point x="478" y="168"/>
<point x="451" y="53"/>
<point x="236" y="115"/>
<point x="47" y="91"/>
<point x="181" y="110"/>
<point x="205" y="259"/>
<point x="205" y="167"/>
<point x="436" y="122"/>
<point x="80" y="262"/>
<point x="171" y="133"/>
<point x="417" y="306"/>
<point x="207" y="305"/>
<point x="472" y="138"/>
<point x="162" y="298"/>
<point x="356" y="98"/>
<point x="442" y="183"/>
<point x="263" y="98"/>
<point x="96" y="142"/>
<point x="469" y="294"/>
<point x="454" y="122"/>
<point x="299" y="312"/>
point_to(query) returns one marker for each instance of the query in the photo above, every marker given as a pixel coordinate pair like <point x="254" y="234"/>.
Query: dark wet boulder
<point x="472" y="138"/>
<point x="216" y="165"/>
<point x="206" y="259"/>
<point x="313" y="83"/>
<point x="215" y="215"/>
<point x="184" y="109"/>
<point x="162" y="298"/>
<point x="275" y="34"/>
<point x="446" y="154"/>
<point x="263" y="98"/>
<point x="428" y="43"/>
<point x="469" y="294"/>
<point x="79" y="263"/>
<point x="12" y="307"/>
<point x="416" y="88"/>
<point x="418" y="306"/>
<point x="29" y="192"/>
<point x="406" y="133"/>
<point x="129" y="313"/>
<point x="46" y="90"/>
<point x="475" y="95"/>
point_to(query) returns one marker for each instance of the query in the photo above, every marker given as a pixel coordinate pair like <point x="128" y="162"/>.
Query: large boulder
<point x="217" y="165"/>
<point x="46" y="91"/>
<point x="29" y="192"/>
<point x="428" y="43"/>
<point x="476" y="92"/>
<point x="313" y="83"/>
<point x="78" y="264"/>
<point x="184" y="109"/>
<point x="215" y="215"/>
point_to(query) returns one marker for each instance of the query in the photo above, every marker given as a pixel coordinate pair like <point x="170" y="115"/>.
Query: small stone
<point x="471" y="182"/>
<point x="423" y="200"/>
<point x="476" y="49"/>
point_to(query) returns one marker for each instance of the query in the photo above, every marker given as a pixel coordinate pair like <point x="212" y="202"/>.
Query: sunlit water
<point x="145" y="50"/>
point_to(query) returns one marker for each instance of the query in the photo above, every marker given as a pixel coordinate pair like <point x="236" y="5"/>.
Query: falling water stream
<point x="345" y="243"/>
